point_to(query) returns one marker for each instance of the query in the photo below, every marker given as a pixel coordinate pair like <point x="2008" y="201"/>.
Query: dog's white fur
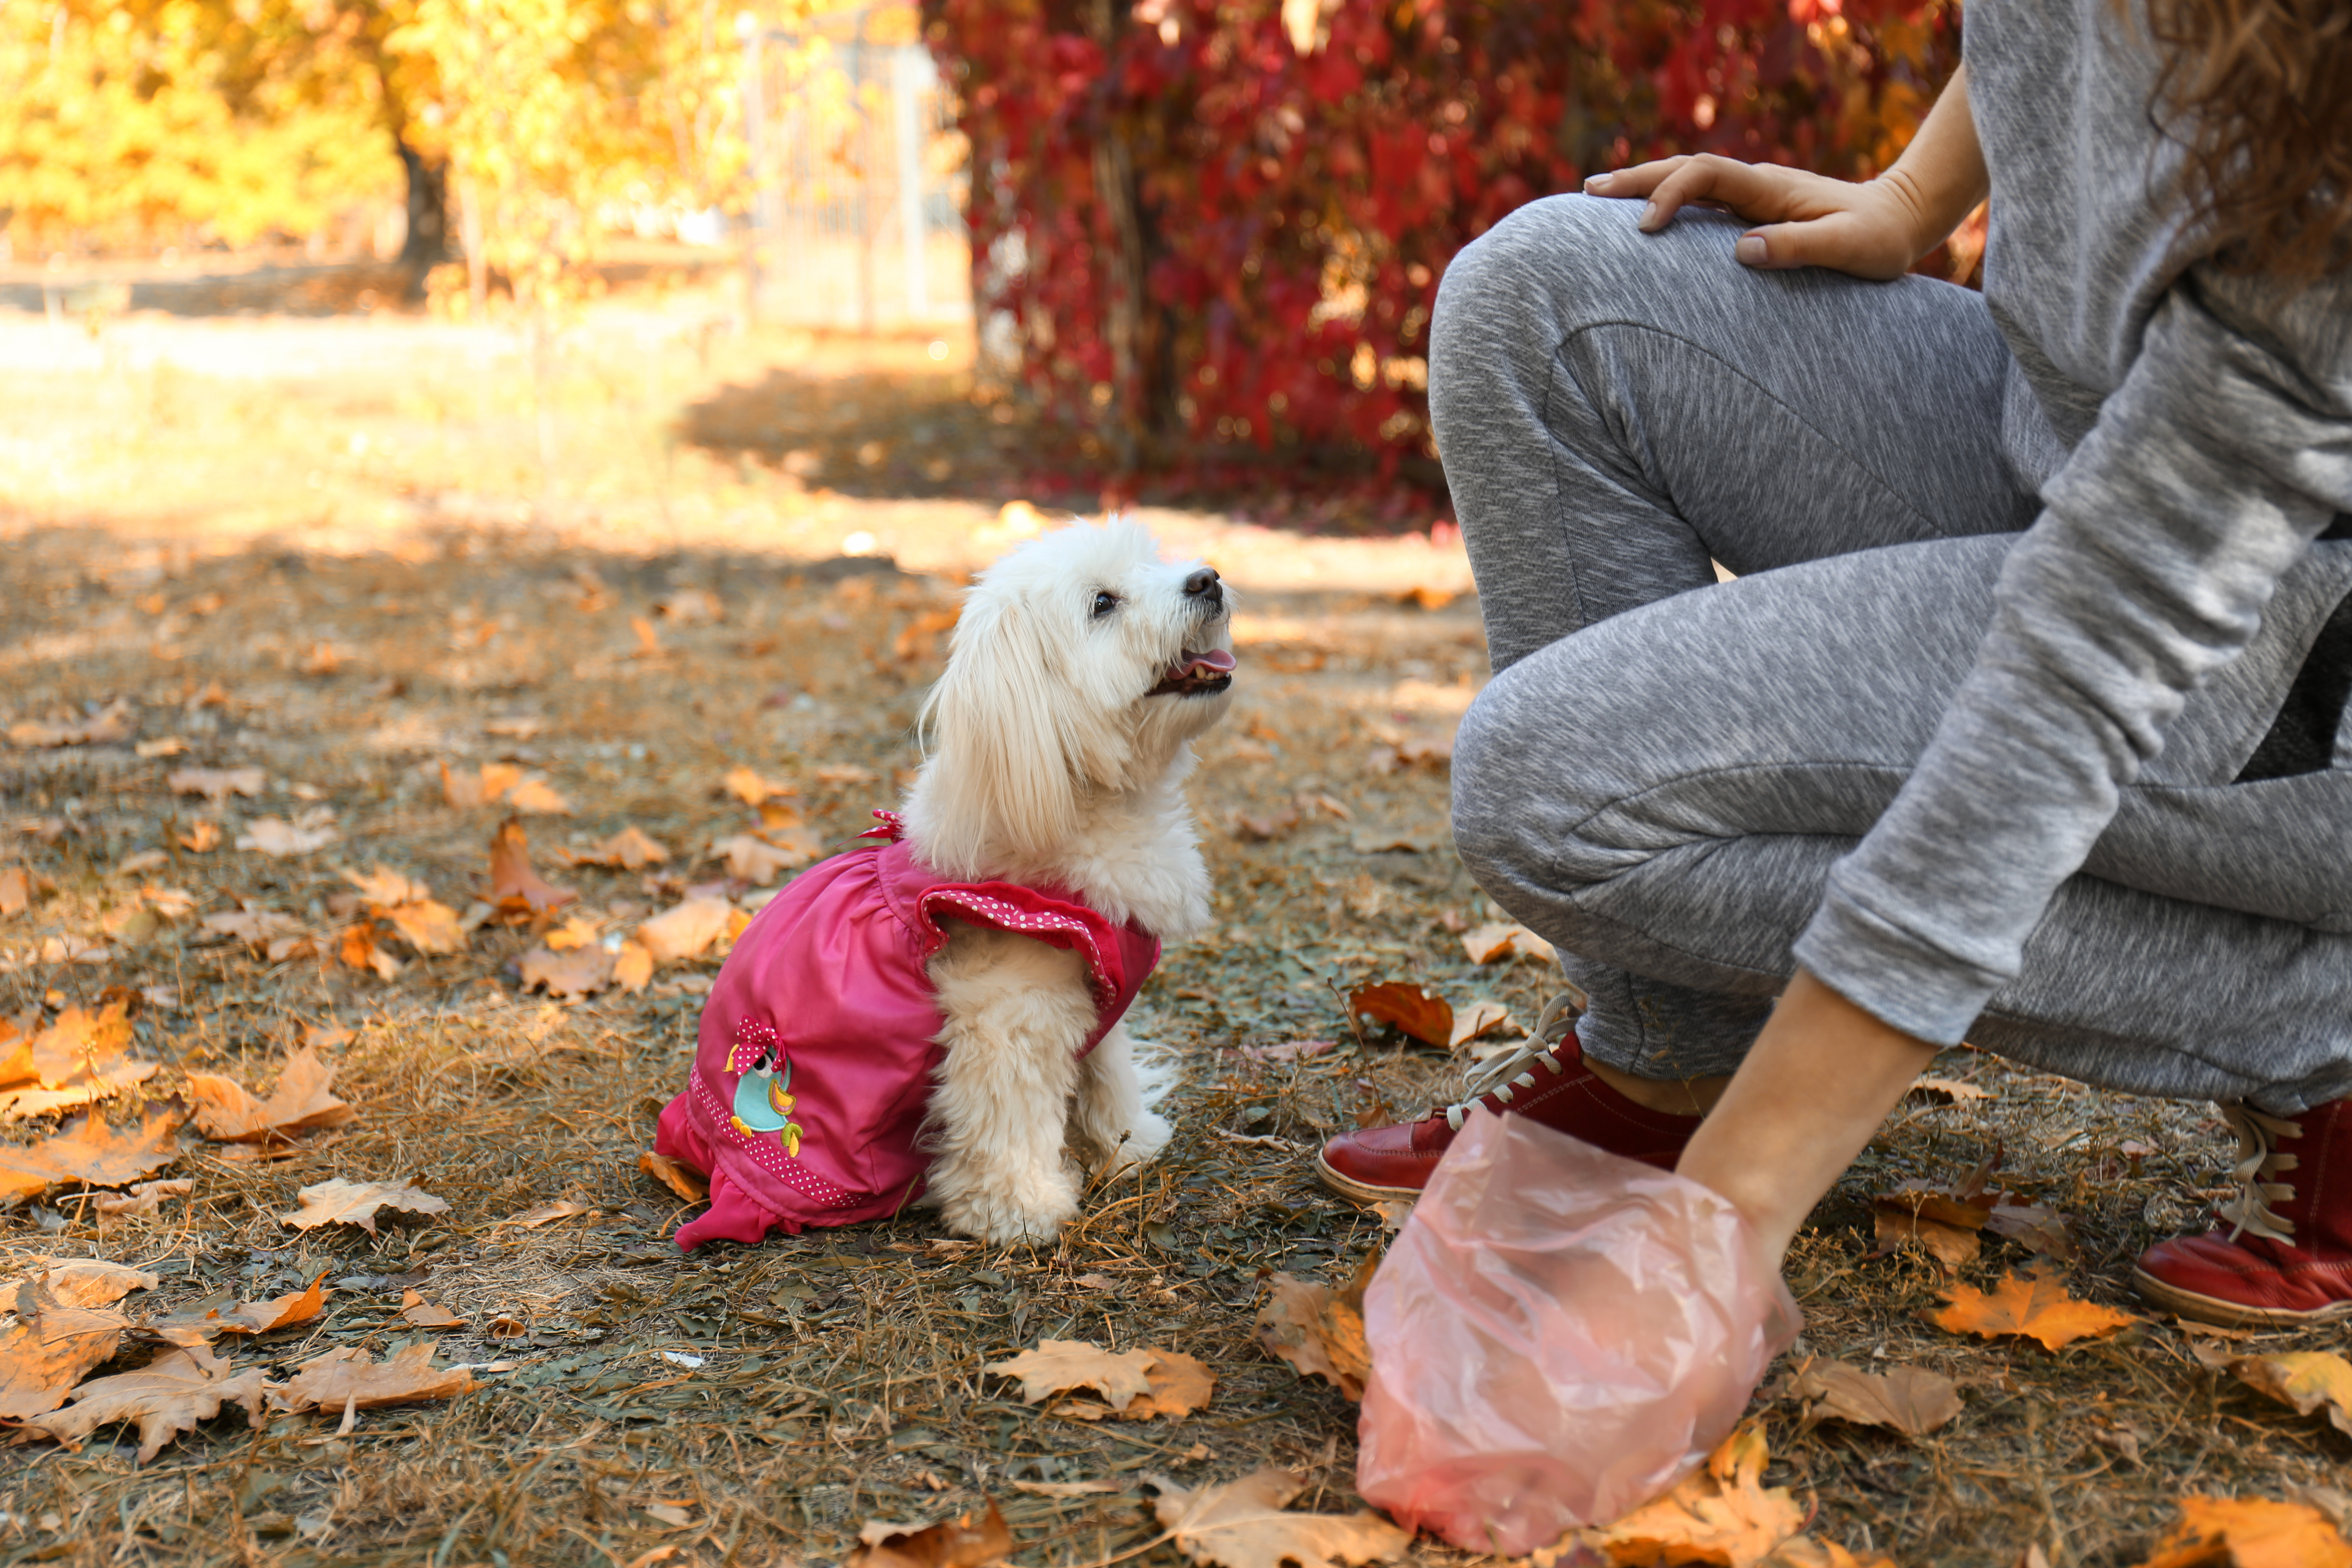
<point x="1049" y="764"/>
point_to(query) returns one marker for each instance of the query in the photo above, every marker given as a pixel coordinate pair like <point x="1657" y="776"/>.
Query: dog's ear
<point x="997" y="786"/>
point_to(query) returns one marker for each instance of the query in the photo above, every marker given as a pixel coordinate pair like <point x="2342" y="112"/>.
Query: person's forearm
<point x="1941" y="176"/>
<point x="1809" y="1096"/>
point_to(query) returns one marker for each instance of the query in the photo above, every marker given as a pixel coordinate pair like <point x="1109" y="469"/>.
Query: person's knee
<point x="1502" y="806"/>
<point x="1532" y="261"/>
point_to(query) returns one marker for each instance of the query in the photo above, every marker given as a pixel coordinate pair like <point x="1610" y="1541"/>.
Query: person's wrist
<point x="1911" y="217"/>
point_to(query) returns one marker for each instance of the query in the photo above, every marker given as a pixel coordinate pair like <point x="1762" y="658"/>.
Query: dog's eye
<point x="1105" y="603"/>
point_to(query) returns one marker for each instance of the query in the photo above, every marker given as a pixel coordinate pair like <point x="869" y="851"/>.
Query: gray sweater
<point x="2190" y="431"/>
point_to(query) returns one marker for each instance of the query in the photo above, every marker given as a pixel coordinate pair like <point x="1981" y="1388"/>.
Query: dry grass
<point x="840" y="1374"/>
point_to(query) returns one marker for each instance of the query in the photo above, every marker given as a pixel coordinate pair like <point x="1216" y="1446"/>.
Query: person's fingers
<point x="1841" y="242"/>
<point x="1638" y="181"/>
<point x="1753" y="190"/>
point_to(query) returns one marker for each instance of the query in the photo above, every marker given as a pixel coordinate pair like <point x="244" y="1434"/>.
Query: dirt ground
<point x="347" y="551"/>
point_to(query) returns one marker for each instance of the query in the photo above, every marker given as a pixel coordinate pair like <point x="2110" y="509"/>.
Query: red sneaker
<point x="1546" y="1083"/>
<point x="2285" y="1258"/>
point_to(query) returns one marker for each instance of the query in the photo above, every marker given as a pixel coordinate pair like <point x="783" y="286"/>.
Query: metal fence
<point x="857" y="170"/>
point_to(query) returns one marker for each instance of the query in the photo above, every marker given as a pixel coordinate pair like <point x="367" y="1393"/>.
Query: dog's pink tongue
<point x="1217" y="658"/>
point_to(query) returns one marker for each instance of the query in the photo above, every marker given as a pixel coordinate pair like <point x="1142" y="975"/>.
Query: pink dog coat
<point x="818" y="1043"/>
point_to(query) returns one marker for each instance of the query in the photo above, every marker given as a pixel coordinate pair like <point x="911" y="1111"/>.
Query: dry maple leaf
<point x="1502" y="940"/>
<point x="517" y="889"/>
<point x="356" y="949"/>
<point x="80" y="1043"/>
<point x="91" y="1152"/>
<point x="109" y="725"/>
<point x="49" y="1348"/>
<point x="1318" y="1330"/>
<point x="1910" y="1400"/>
<point x="1722" y="1514"/>
<point x="634" y="967"/>
<point x="2307" y="1381"/>
<point x="2040" y="1230"/>
<point x="357" y="1203"/>
<point x="415" y="1309"/>
<point x="277" y="1312"/>
<point x="1243" y="1525"/>
<point x="146" y="1198"/>
<point x="750" y="859"/>
<point x="1951" y="1091"/>
<point x="1180" y="1385"/>
<point x="1945" y="1225"/>
<point x="582" y="971"/>
<point x="166" y="1397"/>
<point x="301" y="1103"/>
<point x="427" y="926"/>
<point x="968" y="1541"/>
<point x="546" y="1214"/>
<point x="1412" y="1010"/>
<point x="85" y="1282"/>
<point x="537" y="797"/>
<point x="686" y="931"/>
<point x="2250" y="1532"/>
<point x="751" y="789"/>
<point x="1059" y="1364"/>
<point x="627" y="850"/>
<point x="383" y="887"/>
<point x="686" y="1182"/>
<point x="466" y="790"/>
<point x="278" y="837"/>
<point x="201" y="836"/>
<point x="217" y="784"/>
<point x="255" y="928"/>
<point x="2036" y="1308"/>
<point x="1805" y="1552"/>
<point x="1476" y="1020"/>
<point x="15" y="892"/>
<point x="348" y="1379"/>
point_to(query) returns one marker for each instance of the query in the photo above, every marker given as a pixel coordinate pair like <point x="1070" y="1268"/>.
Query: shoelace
<point x="2250" y="1213"/>
<point x="1502" y="1074"/>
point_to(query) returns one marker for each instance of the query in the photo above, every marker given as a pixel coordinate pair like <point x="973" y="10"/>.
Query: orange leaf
<point x="515" y="888"/>
<point x="349" y="1379"/>
<point x="537" y="797"/>
<point x="627" y="850"/>
<point x="1243" y="1524"/>
<point x="216" y="783"/>
<point x="2250" y="1532"/>
<point x="49" y="1348"/>
<point x="300" y="1103"/>
<point x="1411" y="1010"/>
<point x="1721" y="1514"/>
<point x="751" y="789"/>
<point x="428" y="926"/>
<point x="1320" y="1331"/>
<point x="582" y="971"/>
<point x="968" y="1541"/>
<point x="634" y="968"/>
<point x="681" y="1179"/>
<point x="90" y="1153"/>
<point x="423" y="1313"/>
<point x="169" y="1395"/>
<point x="277" y="1312"/>
<point x="357" y="1203"/>
<point x="686" y="931"/>
<point x="2035" y="1307"/>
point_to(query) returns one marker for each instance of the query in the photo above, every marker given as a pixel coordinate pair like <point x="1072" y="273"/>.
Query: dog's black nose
<point x="1202" y="584"/>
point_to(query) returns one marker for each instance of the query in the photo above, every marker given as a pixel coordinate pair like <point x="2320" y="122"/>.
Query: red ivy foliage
<point x="1287" y="212"/>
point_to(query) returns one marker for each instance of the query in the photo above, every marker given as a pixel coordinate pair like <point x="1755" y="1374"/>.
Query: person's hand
<point x="1876" y="229"/>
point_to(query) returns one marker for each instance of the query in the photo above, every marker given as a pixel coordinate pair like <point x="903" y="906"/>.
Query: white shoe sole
<point x="2231" y="1314"/>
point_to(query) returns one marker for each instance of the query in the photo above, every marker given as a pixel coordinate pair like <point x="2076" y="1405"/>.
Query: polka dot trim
<point x="753" y="1036"/>
<point x="1005" y="915"/>
<point x="894" y="827"/>
<point x="764" y="1152"/>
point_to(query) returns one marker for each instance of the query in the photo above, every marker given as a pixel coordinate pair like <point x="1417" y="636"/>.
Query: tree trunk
<point x="428" y="245"/>
<point x="1139" y="403"/>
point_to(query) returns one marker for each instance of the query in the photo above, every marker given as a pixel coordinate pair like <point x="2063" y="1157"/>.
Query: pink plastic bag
<point x="1557" y="1336"/>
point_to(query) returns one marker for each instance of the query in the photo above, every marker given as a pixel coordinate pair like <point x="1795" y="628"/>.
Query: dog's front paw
<point x="1143" y="1141"/>
<point x="1018" y="1210"/>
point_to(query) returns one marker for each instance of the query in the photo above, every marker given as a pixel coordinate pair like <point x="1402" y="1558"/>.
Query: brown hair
<point x="2259" y="94"/>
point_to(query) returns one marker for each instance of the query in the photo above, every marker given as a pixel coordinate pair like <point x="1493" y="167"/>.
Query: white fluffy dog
<point x="1081" y="670"/>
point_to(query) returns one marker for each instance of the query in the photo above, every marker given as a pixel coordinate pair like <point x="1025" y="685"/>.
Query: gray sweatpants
<point x="1664" y="769"/>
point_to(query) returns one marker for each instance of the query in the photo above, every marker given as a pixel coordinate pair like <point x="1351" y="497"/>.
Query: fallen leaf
<point x="1395" y="841"/>
<point x="775" y="815"/>
<point x="1288" y="1050"/>
<point x="627" y="850"/>
<point x="256" y="927"/>
<point x="683" y="1180"/>
<point x="424" y="1314"/>
<point x="634" y="967"/>
<point x="85" y="1281"/>
<point x="1806" y="1552"/>
<point x="1477" y="1020"/>
<point x="1908" y="1399"/>
<point x="1950" y="1090"/>
<point x="546" y="1214"/>
<point x="2037" y="1308"/>
<point x="1493" y="943"/>
<point x="1720" y="1514"/>
<point x="1945" y="1225"/>
<point x="1242" y="1524"/>
<point x="169" y="1395"/>
<point x="427" y="926"/>
<point x="2040" y="1230"/>
<point x="753" y="790"/>
<point x="146" y="1198"/>
<point x="968" y="1541"/>
<point x="356" y="949"/>
<point x="349" y="1379"/>
<point x="2307" y="1381"/>
<point x="15" y="892"/>
<point x="276" y="837"/>
<point x="1180" y="1385"/>
<point x="201" y="836"/>
<point x="383" y="889"/>
<point x="300" y="1103"/>
<point x="1412" y="1010"/>
<point x="277" y="1312"/>
<point x="109" y="725"/>
<point x="80" y="1043"/>
<point x="1272" y="825"/>
<point x="754" y="859"/>
<point x="357" y="1203"/>
<point x="845" y="774"/>
<point x="49" y="1348"/>
<point x="2250" y="1532"/>
<point x="582" y="972"/>
<point x="684" y="931"/>
<point x="466" y="790"/>
<point x="1318" y="1330"/>
<point x="1057" y="1365"/>
<point x="537" y="797"/>
<point x="90" y="1153"/>
<point x="505" y="1328"/>
<point x="516" y="889"/>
